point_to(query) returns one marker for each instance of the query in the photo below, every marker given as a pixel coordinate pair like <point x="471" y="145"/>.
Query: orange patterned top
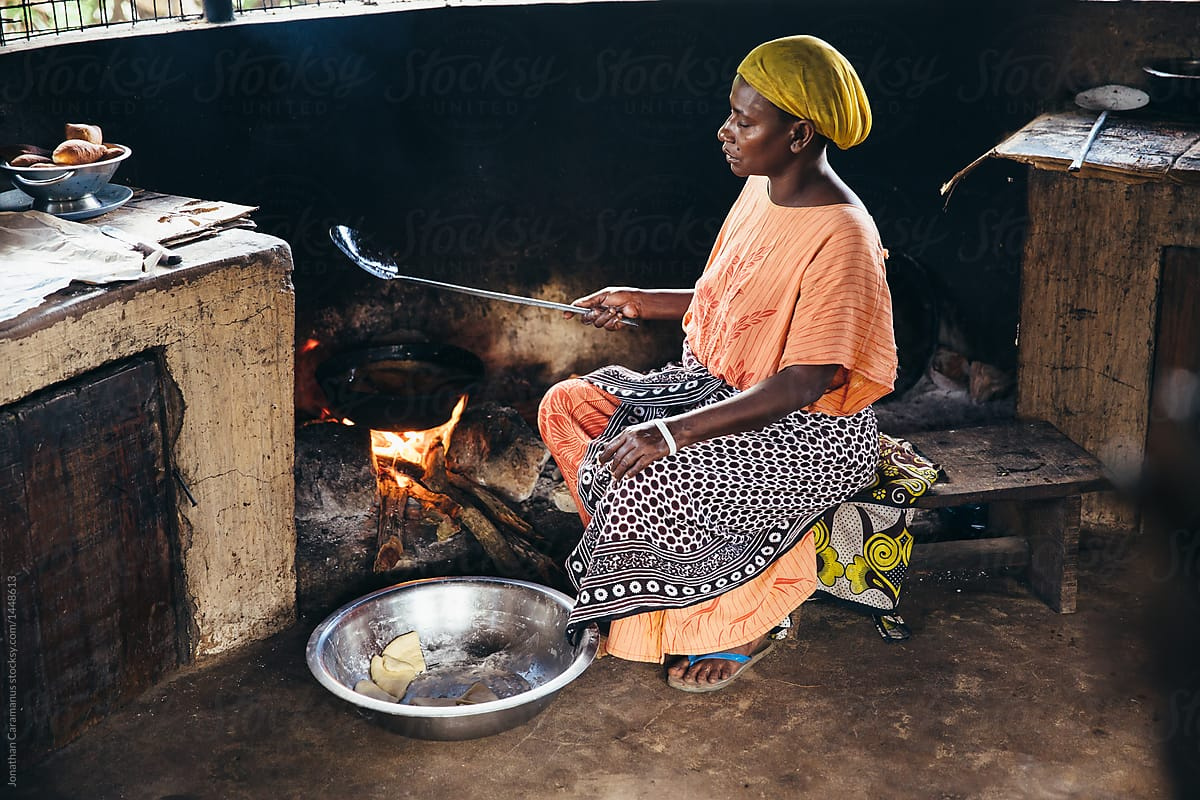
<point x="788" y="286"/>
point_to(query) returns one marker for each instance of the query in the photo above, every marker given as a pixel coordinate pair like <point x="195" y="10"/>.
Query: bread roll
<point x="75" y="152"/>
<point x="88" y="133"/>
<point x="10" y="151"/>
<point x="28" y="160"/>
<point x="113" y="150"/>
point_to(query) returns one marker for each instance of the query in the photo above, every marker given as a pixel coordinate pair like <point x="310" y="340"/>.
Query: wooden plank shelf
<point x="1026" y="460"/>
<point x="1128" y="147"/>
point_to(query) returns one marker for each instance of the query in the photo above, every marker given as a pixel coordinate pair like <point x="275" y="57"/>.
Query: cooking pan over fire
<point x="403" y="387"/>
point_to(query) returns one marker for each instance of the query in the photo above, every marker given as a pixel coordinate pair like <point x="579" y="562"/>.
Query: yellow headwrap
<point x="808" y="78"/>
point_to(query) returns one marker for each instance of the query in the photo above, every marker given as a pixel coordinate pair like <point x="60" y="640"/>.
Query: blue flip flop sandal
<point x="744" y="663"/>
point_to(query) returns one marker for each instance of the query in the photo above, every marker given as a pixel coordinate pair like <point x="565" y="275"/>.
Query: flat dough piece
<point x="369" y="688"/>
<point x="478" y="693"/>
<point x="392" y="675"/>
<point x="406" y="647"/>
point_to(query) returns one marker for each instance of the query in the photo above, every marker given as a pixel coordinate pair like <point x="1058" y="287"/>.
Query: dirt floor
<point x="994" y="697"/>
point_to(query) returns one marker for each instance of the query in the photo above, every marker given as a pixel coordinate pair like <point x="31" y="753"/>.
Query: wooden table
<point x="1109" y="281"/>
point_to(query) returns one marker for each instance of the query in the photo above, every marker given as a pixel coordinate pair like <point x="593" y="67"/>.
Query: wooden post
<point x="1051" y="527"/>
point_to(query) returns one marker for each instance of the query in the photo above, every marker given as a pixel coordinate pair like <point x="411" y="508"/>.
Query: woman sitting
<point x="697" y="483"/>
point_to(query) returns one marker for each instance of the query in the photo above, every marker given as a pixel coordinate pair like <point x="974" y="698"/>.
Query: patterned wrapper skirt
<point x="694" y="525"/>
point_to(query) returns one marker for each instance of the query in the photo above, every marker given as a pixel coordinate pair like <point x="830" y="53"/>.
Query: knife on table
<point x="165" y="256"/>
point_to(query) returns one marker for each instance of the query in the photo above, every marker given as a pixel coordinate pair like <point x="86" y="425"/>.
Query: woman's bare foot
<point x="712" y="670"/>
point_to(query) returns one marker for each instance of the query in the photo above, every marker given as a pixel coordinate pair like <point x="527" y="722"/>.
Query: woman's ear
<point x="802" y="134"/>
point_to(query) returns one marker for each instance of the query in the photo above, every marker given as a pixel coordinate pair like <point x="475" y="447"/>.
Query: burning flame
<point x="329" y="416"/>
<point x="310" y="345"/>
<point x="388" y="447"/>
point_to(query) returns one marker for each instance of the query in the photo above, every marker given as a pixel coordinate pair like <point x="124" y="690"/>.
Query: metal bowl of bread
<point x="66" y="179"/>
<point x="450" y="658"/>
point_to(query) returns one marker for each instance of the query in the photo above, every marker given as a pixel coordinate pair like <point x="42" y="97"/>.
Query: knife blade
<point x="165" y="256"/>
<point x="346" y="240"/>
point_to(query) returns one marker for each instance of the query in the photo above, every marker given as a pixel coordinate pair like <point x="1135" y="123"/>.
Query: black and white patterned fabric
<point x="712" y="517"/>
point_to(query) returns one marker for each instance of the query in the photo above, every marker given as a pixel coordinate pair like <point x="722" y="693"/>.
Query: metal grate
<point x="22" y="20"/>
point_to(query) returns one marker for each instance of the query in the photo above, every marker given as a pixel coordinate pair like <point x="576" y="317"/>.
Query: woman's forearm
<point x="786" y="391"/>
<point x="610" y="306"/>
<point x="665" y="303"/>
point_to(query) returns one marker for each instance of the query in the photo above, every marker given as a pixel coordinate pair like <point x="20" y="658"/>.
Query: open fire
<point x="413" y="502"/>
<point x="389" y="448"/>
<point x="422" y="503"/>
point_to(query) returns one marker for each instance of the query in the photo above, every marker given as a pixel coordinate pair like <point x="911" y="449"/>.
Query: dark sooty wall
<point x="565" y="147"/>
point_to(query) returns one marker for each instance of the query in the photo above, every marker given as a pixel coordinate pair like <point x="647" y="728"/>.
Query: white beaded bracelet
<point x="666" y="434"/>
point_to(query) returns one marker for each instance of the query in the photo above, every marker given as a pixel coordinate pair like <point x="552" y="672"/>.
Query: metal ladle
<point x="350" y="242"/>
<point x="1104" y="99"/>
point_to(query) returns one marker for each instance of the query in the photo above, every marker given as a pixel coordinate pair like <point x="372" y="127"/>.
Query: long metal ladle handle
<point x="1087" y="143"/>
<point x="344" y="242"/>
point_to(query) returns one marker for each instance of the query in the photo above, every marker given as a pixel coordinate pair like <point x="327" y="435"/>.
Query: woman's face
<point x="756" y="137"/>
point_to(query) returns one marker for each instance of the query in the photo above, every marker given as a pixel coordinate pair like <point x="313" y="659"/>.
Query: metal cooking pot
<point x="403" y="387"/>
<point x="1174" y="84"/>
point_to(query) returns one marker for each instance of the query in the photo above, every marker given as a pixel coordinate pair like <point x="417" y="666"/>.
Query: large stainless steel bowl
<point x="66" y="189"/>
<point x="468" y="627"/>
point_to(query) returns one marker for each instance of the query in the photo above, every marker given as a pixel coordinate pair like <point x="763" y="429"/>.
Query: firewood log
<point x="390" y="553"/>
<point x="497" y="508"/>
<point x="492" y="541"/>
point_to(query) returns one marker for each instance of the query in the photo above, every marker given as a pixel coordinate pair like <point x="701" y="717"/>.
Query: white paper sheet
<point x="40" y="254"/>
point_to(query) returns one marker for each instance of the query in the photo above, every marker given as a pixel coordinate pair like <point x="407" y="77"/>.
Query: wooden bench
<point x="1031" y="477"/>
